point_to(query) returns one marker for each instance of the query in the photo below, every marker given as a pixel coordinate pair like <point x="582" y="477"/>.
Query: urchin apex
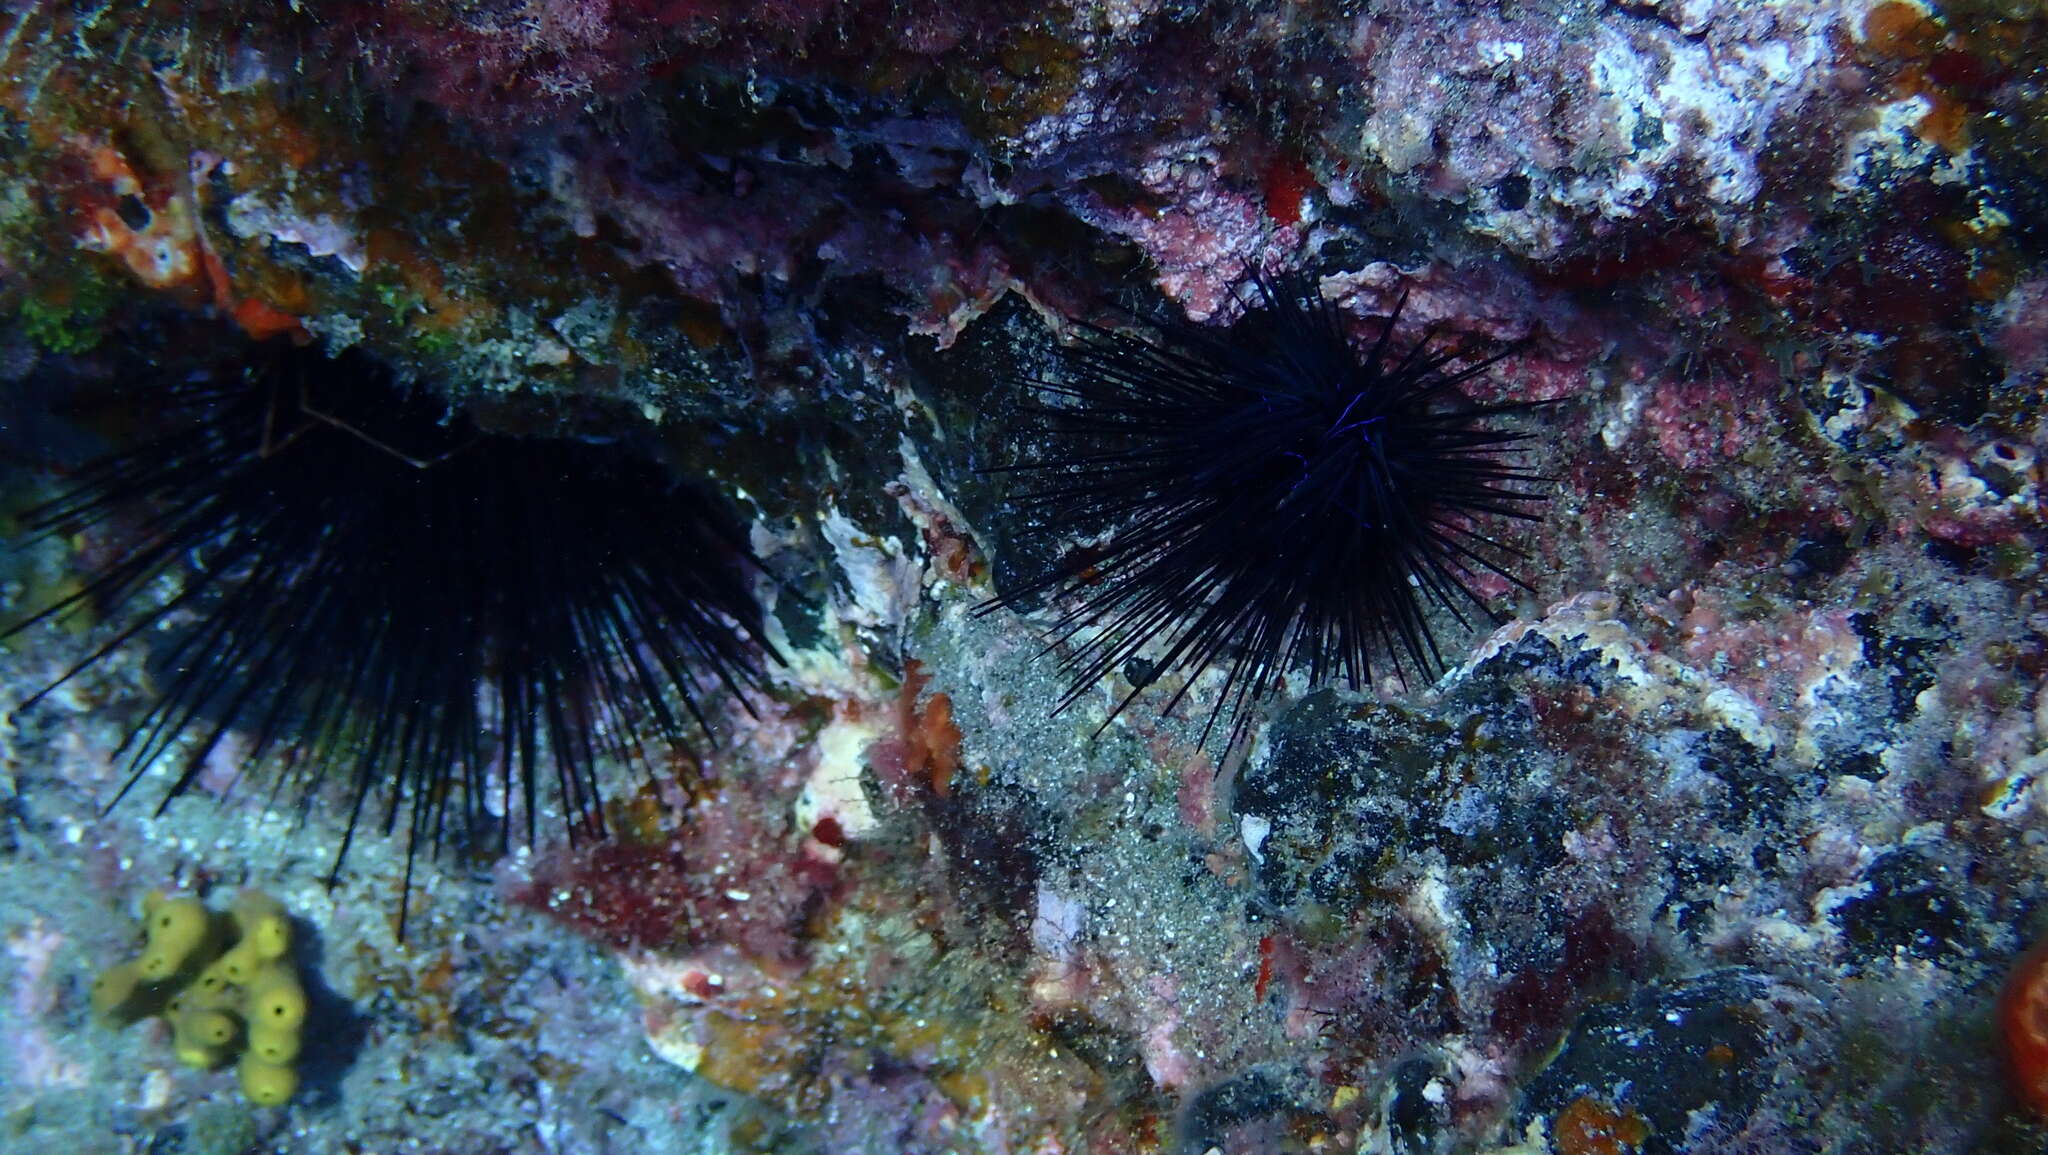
<point x="1266" y="498"/>
<point x="446" y="627"/>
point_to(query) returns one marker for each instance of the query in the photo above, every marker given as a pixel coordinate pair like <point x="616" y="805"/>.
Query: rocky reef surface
<point x="1724" y="839"/>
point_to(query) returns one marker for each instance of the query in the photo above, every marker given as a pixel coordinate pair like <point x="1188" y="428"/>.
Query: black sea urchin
<point x="1265" y="498"/>
<point x="431" y="619"/>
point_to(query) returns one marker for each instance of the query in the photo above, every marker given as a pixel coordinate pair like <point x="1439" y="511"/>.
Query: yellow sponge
<point x="212" y="987"/>
<point x="267" y="1084"/>
<point x="198" y="1056"/>
<point x="212" y="1028"/>
<point x="114" y="991"/>
<point x="225" y="984"/>
<point x="273" y="1046"/>
<point x="276" y="1000"/>
<point x="202" y="1036"/>
<point x="264" y="927"/>
<point x="177" y="928"/>
<point x="237" y="965"/>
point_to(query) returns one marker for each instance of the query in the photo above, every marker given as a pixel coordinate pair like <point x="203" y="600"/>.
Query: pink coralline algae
<point x="727" y="866"/>
<point x="1986" y="497"/>
<point x="1597" y="125"/>
<point x="1783" y="665"/>
<point x="1202" y="236"/>
<point x="1698" y="424"/>
<point x="2023" y="328"/>
<point x="36" y="1060"/>
<point x="542" y="59"/>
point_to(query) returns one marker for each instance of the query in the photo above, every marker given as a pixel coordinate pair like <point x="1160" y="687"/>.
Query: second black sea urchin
<point x="1265" y="498"/>
<point x="443" y="626"/>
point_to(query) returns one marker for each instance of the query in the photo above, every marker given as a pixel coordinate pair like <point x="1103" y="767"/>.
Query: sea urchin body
<point x="1266" y="498"/>
<point x="430" y="620"/>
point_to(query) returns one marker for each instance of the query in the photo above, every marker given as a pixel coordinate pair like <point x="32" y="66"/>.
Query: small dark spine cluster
<point x="447" y="626"/>
<point x="1265" y="498"/>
